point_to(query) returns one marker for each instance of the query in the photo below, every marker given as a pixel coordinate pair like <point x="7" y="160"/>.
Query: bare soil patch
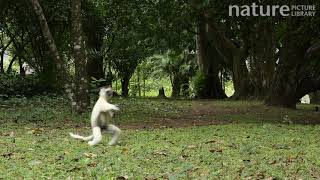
<point x="200" y="115"/>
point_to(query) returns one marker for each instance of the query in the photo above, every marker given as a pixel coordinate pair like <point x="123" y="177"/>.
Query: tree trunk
<point x="315" y="97"/>
<point x="200" y="45"/>
<point x="231" y="55"/>
<point x="240" y="77"/>
<point x="294" y="77"/>
<point x="125" y="86"/>
<point x="62" y="75"/>
<point x="1" y="63"/>
<point x="176" y="84"/>
<point x="161" y="93"/>
<point x="144" y="87"/>
<point x="261" y="59"/>
<point x="22" y="71"/>
<point x="138" y="81"/>
<point x="3" y="51"/>
<point x="82" y="95"/>
<point x="11" y="64"/>
<point x="208" y="60"/>
<point x="109" y="76"/>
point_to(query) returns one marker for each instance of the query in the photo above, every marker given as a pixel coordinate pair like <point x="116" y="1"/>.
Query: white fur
<point x="97" y="136"/>
<point x="116" y="133"/>
<point x="101" y="112"/>
<point x="81" y="137"/>
<point x="305" y="99"/>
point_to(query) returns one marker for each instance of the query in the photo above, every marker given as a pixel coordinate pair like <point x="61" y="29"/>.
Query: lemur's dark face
<point x="106" y="92"/>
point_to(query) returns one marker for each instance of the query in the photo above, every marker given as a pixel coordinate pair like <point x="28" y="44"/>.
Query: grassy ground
<point x="161" y="139"/>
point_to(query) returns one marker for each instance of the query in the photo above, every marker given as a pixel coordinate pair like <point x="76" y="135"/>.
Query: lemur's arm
<point x="109" y="107"/>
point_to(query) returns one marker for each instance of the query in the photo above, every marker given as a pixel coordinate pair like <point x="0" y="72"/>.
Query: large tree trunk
<point x="261" y="59"/>
<point x="315" y="97"/>
<point x="294" y="76"/>
<point x="2" y="60"/>
<point x="208" y="59"/>
<point x="2" y="53"/>
<point x="109" y="76"/>
<point x="138" y="82"/>
<point x="240" y="77"/>
<point x="176" y="85"/>
<point x="82" y="95"/>
<point x="1" y="63"/>
<point x="161" y="93"/>
<point x="125" y="86"/>
<point x="22" y="71"/>
<point x="9" y="70"/>
<point x="230" y="55"/>
<point x="144" y="87"/>
<point x="62" y="75"/>
<point x="201" y="44"/>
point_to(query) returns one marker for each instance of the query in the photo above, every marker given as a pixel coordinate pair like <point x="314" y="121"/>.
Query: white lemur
<point x="100" y="117"/>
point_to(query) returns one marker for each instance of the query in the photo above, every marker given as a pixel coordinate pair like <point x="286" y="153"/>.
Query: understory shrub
<point x="199" y="84"/>
<point x="16" y="85"/>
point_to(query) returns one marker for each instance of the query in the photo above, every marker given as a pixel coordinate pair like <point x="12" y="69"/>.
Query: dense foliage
<point x="131" y="43"/>
<point x="14" y="85"/>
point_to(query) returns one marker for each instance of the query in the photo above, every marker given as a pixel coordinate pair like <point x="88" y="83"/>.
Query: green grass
<point x="255" y="141"/>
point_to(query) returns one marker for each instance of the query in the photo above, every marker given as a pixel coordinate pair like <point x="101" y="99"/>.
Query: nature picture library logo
<point x="272" y="10"/>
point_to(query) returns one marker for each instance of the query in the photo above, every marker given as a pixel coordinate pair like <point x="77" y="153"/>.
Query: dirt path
<point x="200" y="115"/>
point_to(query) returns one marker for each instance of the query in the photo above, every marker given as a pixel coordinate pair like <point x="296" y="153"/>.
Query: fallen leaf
<point x="191" y="146"/>
<point x="90" y="155"/>
<point x="212" y="141"/>
<point x="93" y="164"/>
<point x="125" y="150"/>
<point x="273" y="162"/>
<point x="76" y="168"/>
<point x="11" y="134"/>
<point x="7" y="155"/>
<point x="59" y="158"/>
<point x="216" y="150"/>
<point x="184" y="156"/>
<point x="232" y="145"/>
<point x="76" y="159"/>
<point x="160" y="153"/>
<point x="270" y="178"/>
<point x="36" y="131"/>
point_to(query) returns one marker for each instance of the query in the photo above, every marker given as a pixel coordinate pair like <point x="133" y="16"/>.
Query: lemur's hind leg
<point x="97" y="136"/>
<point x="115" y="131"/>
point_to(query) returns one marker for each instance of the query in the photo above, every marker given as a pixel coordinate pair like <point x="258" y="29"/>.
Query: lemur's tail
<point x="81" y="137"/>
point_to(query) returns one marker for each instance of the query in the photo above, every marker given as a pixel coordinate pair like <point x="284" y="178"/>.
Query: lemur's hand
<point x="111" y="113"/>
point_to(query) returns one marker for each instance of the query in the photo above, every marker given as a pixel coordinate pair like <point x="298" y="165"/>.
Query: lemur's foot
<point x="92" y="143"/>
